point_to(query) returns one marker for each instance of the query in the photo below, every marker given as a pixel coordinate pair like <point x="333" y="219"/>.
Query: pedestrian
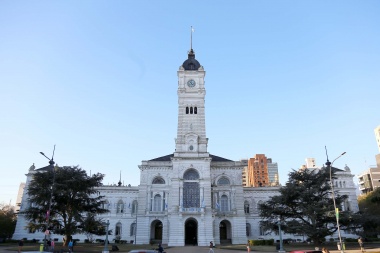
<point x="71" y="244"/>
<point x="325" y="250"/>
<point x="211" y="248"/>
<point x="160" y="249"/>
<point x="49" y="245"/>
<point x="20" y="244"/>
<point x="248" y="248"/>
<point x="361" y="244"/>
<point x="52" y="244"/>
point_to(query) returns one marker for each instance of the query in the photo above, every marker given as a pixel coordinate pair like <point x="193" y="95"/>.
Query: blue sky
<point x="98" y="80"/>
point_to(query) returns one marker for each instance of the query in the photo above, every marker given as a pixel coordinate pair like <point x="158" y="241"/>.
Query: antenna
<point x="191" y="37"/>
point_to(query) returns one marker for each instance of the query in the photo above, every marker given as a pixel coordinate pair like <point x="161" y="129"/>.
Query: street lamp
<point x="106" y="242"/>
<point x="280" y="233"/>
<point x="336" y="210"/>
<point x="51" y="166"/>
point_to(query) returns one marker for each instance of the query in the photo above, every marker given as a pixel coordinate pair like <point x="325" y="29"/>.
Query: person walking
<point x="361" y="244"/>
<point x="20" y="245"/>
<point x="52" y="244"/>
<point x="325" y="250"/>
<point x="49" y="245"/>
<point x="160" y="249"/>
<point x="211" y="248"/>
<point x="71" y="244"/>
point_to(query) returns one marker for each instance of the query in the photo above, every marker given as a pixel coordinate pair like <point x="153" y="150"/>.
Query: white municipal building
<point x="189" y="196"/>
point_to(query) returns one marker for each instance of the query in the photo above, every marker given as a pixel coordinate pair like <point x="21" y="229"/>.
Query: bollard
<point x="41" y="247"/>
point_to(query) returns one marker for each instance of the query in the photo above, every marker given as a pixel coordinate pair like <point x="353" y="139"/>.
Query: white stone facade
<point x="188" y="197"/>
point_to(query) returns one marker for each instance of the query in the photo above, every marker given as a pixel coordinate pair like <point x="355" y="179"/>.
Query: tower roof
<point x="167" y="158"/>
<point x="191" y="63"/>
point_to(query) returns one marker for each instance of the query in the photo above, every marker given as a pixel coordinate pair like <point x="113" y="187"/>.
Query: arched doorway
<point x="191" y="232"/>
<point x="156" y="231"/>
<point x="225" y="232"/>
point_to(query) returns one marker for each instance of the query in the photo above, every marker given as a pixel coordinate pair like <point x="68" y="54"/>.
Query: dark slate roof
<point x="191" y="63"/>
<point x="46" y="168"/>
<point x="167" y="158"/>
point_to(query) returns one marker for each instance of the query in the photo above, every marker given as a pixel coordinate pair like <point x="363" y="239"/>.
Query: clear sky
<point x="98" y="79"/>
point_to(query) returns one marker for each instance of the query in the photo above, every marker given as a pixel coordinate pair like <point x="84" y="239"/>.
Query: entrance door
<point x="158" y="231"/>
<point x="223" y="231"/>
<point x="191" y="228"/>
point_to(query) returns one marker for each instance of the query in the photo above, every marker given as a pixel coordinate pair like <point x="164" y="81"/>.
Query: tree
<point x="93" y="226"/>
<point x="71" y="195"/>
<point x="305" y="206"/>
<point x="7" y="221"/>
<point x="369" y="206"/>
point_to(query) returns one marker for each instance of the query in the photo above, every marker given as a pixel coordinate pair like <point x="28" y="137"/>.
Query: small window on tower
<point x="187" y="110"/>
<point x="191" y="110"/>
<point x="195" y="110"/>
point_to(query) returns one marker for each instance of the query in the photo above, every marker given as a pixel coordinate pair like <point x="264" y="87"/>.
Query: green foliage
<point x="369" y="206"/>
<point x="73" y="198"/>
<point x="7" y="221"/>
<point x="261" y="242"/>
<point x="305" y="206"/>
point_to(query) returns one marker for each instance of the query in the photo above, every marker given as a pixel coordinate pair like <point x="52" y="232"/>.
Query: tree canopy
<point x="369" y="206"/>
<point x="71" y="195"/>
<point x="304" y="206"/>
<point x="7" y="221"/>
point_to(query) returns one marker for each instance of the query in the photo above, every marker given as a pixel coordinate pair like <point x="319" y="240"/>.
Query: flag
<point x="192" y="29"/>
<point x="217" y="205"/>
<point x="203" y="202"/>
<point x="129" y="205"/>
<point x="166" y="206"/>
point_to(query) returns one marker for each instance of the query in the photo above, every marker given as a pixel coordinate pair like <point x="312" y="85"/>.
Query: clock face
<point x="191" y="83"/>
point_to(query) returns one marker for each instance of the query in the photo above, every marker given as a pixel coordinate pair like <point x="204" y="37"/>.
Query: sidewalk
<point x="202" y="249"/>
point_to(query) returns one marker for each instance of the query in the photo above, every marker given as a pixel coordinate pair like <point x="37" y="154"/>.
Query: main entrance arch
<point x="191" y="232"/>
<point x="156" y="231"/>
<point x="225" y="232"/>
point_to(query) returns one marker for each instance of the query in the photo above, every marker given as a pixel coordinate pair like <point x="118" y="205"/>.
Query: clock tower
<point x="191" y="138"/>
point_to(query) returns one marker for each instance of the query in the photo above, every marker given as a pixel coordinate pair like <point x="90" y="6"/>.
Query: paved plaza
<point x="198" y="249"/>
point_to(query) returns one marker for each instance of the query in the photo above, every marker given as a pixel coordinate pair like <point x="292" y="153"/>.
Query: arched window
<point x="105" y="205"/>
<point x="262" y="232"/>
<point x="191" y="192"/>
<point x="158" y="180"/>
<point x="248" y="229"/>
<point x="187" y="110"/>
<point x="224" y="203"/>
<point x="133" y="229"/>
<point x="246" y="207"/>
<point x="195" y="110"/>
<point x="258" y="204"/>
<point x="118" y="229"/>
<point x="120" y="207"/>
<point x="134" y="207"/>
<point x="191" y="174"/>
<point x="223" y="181"/>
<point x="157" y="203"/>
<point x="191" y="110"/>
<point x="344" y="184"/>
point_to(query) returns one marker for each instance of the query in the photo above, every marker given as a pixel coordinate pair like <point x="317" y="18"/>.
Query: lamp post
<point x="106" y="242"/>
<point x="51" y="166"/>
<point x="136" y="208"/>
<point x="280" y="233"/>
<point x="336" y="210"/>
